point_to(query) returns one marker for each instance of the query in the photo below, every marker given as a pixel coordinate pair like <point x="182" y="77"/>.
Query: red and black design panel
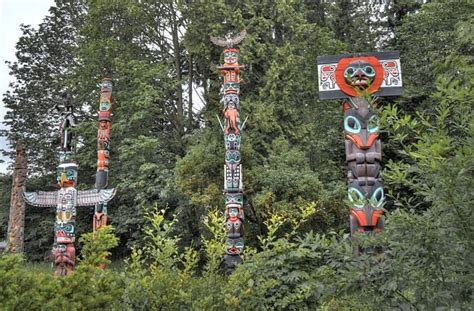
<point x="352" y="75"/>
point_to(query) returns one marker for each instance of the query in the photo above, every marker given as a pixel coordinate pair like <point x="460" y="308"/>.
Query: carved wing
<point x="93" y="197"/>
<point x="41" y="198"/>
<point x="219" y="41"/>
<point x="228" y="41"/>
<point x="237" y="39"/>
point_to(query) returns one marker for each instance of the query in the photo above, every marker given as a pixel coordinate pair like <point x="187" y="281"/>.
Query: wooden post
<point x="16" y="223"/>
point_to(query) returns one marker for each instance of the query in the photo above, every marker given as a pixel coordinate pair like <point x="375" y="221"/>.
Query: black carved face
<point x="359" y="74"/>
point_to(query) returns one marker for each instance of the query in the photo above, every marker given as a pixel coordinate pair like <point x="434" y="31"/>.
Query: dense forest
<point x="167" y="153"/>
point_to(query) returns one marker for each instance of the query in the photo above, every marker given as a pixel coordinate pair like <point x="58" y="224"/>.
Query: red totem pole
<point x="359" y="79"/>
<point x="233" y="184"/>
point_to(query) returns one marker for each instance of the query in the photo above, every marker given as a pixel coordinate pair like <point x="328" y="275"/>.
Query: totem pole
<point x="103" y="150"/>
<point x="233" y="184"/>
<point x="16" y="222"/>
<point x="360" y="79"/>
<point x="67" y="198"/>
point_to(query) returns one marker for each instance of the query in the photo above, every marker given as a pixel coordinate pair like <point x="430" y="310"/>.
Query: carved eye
<point x="349" y="71"/>
<point x="377" y="198"/>
<point x="239" y="244"/>
<point x="356" y="197"/>
<point x="69" y="228"/>
<point x="373" y="124"/>
<point x="369" y="71"/>
<point x="70" y="174"/>
<point x="352" y="125"/>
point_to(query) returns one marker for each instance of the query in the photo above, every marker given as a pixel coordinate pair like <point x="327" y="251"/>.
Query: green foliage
<point x="5" y="189"/>
<point x="87" y="288"/>
<point x="96" y="247"/>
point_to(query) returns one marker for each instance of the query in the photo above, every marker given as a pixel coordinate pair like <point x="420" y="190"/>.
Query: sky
<point x="12" y="14"/>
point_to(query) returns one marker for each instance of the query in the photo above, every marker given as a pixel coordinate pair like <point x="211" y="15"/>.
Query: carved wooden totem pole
<point x="233" y="184"/>
<point x="67" y="198"/>
<point x="16" y="222"/>
<point x="359" y="79"/>
<point x="103" y="150"/>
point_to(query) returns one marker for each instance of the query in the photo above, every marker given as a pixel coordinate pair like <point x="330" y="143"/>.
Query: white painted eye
<point x="352" y="125"/>
<point x="356" y="197"/>
<point x="377" y="198"/>
<point x="373" y="124"/>
<point x="369" y="71"/>
<point x="349" y="71"/>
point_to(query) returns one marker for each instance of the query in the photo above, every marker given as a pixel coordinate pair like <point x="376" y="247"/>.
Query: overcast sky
<point x="12" y="14"/>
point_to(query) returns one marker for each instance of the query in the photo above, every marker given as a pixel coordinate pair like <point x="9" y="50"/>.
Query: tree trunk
<point x="190" y="94"/>
<point x="16" y="223"/>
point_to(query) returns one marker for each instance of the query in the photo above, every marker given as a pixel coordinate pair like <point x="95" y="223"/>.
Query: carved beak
<point x="62" y="179"/>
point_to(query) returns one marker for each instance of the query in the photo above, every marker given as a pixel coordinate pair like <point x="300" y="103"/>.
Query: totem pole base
<point x="230" y="262"/>
<point x="64" y="259"/>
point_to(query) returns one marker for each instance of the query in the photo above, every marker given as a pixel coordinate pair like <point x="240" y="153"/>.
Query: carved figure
<point x="355" y="77"/>
<point x="233" y="184"/>
<point x="231" y="115"/>
<point x="67" y="198"/>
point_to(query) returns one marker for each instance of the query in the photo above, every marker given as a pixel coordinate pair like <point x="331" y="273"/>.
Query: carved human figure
<point x="231" y="115"/>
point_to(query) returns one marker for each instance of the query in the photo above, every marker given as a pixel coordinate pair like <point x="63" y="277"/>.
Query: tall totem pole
<point x="359" y="79"/>
<point x="103" y="150"/>
<point x="233" y="183"/>
<point x="16" y="222"/>
<point x="67" y="198"/>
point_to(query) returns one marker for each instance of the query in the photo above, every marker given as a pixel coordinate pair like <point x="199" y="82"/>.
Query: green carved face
<point x="358" y="199"/>
<point x="104" y="106"/>
<point x="231" y="86"/>
<point x="232" y="157"/>
<point x="231" y="57"/>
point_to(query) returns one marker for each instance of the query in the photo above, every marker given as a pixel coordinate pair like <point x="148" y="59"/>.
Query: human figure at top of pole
<point x="69" y="121"/>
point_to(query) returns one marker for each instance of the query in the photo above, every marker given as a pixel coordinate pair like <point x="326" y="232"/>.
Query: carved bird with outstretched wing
<point x="229" y="41"/>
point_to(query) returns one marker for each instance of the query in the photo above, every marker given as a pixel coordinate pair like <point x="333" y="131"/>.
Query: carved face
<point x="104" y="115"/>
<point x="232" y="141"/>
<point x="359" y="74"/>
<point x="66" y="210"/>
<point x="231" y="88"/>
<point x="373" y="197"/>
<point x="106" y="85"/>
<point x="231" y="56"/>
<point x="232" y="157"/>
<point x="104" y="104"/>
<point x="231" y="99"/>
<point x="66" y="174"/>
<point x="234" y="227"/>
<point x="233" y="211"/>
<point x="103" y="132"/>
<point x="236" y="199"/>
<point x="234" y="246"/>
<point x="65" y="232"/>
<point x="361" y="130"/>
